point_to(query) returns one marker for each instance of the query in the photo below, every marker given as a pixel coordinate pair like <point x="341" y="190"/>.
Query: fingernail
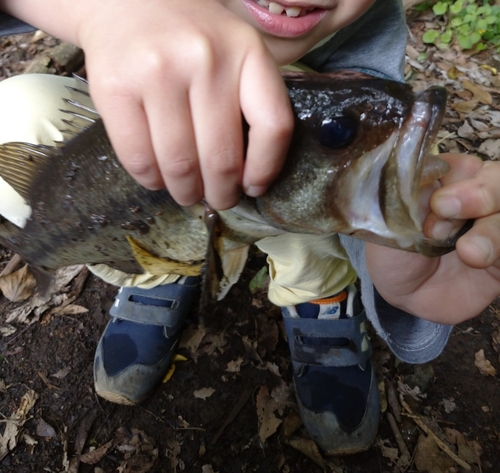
<point x="442" y="230"/>
<point x="483" y="245"/>
<point x="448" y="207"/>
<point x="255" y="191"/>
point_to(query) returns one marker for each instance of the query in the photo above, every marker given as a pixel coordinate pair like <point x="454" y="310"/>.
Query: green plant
<point x="472" y="24"/>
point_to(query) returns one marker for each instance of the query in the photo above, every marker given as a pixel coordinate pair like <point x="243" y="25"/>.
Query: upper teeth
<point x="278" y="9"/>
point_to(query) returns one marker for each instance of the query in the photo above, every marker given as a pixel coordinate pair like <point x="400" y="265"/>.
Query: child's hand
<point x="172" y="79"/>
<point x="459" y="285"/>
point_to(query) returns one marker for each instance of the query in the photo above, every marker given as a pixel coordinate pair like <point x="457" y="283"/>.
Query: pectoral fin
<point x="20" y="162"/>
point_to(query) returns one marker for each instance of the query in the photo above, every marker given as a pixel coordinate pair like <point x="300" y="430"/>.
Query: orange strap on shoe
<point x="341" y="296"/>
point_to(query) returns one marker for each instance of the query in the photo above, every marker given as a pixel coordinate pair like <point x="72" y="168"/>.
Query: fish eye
<point x="337" y="132"/>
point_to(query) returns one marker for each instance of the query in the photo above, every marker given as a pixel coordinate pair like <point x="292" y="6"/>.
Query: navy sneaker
<point x="135" y="351"/>
<point x="336" y="388"/>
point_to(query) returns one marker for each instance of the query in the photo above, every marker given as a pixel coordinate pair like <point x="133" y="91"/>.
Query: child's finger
<point x="266" y="106"/>
<point x="473" y="197"/>
<point x="480" y="246"/>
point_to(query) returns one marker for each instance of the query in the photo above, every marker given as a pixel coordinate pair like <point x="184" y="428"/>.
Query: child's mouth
<point x="277" y="9"/>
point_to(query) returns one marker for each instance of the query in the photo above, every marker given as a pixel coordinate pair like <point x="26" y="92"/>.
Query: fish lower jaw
<point x="278" y="9"/>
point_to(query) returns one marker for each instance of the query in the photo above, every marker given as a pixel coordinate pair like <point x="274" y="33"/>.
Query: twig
<point x="245" y="396"/>
<point x="393" y="400"/>
<point x="421" y="424"/>
<point x="399" y="438"/>
<point x="11" y="265"/>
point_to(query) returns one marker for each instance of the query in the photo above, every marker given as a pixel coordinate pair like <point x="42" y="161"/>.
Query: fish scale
<point x="87" y="209"/>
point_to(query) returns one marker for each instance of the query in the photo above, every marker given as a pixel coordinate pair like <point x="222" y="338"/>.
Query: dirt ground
<point x="229" y="405"/>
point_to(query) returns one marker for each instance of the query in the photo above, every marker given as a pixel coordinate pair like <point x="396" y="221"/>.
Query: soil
<point x="206" y="417"/>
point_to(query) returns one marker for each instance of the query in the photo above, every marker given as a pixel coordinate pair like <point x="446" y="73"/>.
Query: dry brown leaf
<point x="309" y="449"/>
<point x="291" y="424"/>
<point x="266" y="407"/>
<point x="93" y="456"/>
<point x="388" y="451"/>
<point x="61" y="374"/>
<point x="478" y="91"/>
<point x="192" y="337"/>
<point x="13" y="425"/>
<point x="483" y="365"/>
<point x="18" y="286"/>
<point x="454" y="73"/>
<point x="234" y="366"/>
<point x="429" y="458"/>
<point x="71" y="309"/>
<point x="465" y="107"/>
<point x="490" y="148"/>
<point x="203" y="393"/>
<point x="45" y="430"/>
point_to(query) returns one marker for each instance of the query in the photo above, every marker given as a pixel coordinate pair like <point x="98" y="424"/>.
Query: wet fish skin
<point x="86" y="208"/>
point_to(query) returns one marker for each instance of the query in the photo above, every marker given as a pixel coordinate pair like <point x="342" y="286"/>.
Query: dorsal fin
<point x="80" y="115"/>
<point x="19" y="163"/>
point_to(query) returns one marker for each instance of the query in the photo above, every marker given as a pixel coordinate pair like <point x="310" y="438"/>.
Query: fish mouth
<point x="386" y="208"/>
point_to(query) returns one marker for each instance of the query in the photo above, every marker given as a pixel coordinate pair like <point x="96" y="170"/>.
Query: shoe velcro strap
<point x="170" y="304"/>
<point x="328" y="342"/>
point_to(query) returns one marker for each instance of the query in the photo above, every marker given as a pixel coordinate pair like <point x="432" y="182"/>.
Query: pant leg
<point x="31" y="113"/>
<point x="306" y="267"/>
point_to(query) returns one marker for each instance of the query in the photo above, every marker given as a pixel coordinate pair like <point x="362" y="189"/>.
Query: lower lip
<point x="282" y="25"/>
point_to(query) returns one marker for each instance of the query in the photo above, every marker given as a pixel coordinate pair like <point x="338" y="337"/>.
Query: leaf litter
<point x="251" y="419"/>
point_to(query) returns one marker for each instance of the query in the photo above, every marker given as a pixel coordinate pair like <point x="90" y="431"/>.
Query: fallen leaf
<point x="490" y="148"/>
<point x="234" y="365"/>
<point x="203" y="393"/>
<point x="483" y="365"/>
<point x="388" y="451"/>
<point x="14" y="424"/>
<point x="45" y="430"/>
<point x="61" y="374"/>
<point x="309" y="449"/>
<point x="71" y="309"/>
<point x="429" y="458"/>
<point x="466" y="106"/>
<point x="18" y="286"/>
<point x="449" y="405"/>
<point x="478" y="91"/>
<point x="266" y="407"/>
<point x="192" y="338"/>
<point x="97" y="454"/>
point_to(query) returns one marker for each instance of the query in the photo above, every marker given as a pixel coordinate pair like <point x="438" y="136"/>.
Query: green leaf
<point x="430" y="36"/>
<point x="481" y="46"/>
<point x="481" y="26"/>
<point x="475" y="37"/>
<point x="440" y="8"/>
<point x="491" y="19"/>
<point x="445" y="38"/>
<point x="464" y="42"/>
<point x="259" y="280"/>
<point x="456" y="8"/>
<point x="472" y="8"/>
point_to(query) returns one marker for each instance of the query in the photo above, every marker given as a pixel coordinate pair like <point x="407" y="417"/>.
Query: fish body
<point x="358" y="156"/>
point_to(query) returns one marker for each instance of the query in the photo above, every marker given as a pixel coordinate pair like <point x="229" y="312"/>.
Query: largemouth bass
<point x="358" y="157"/>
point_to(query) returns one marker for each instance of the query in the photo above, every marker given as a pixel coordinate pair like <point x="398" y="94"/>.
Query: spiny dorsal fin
<point x="19" y="163"/>
<point x="81" y="115"/>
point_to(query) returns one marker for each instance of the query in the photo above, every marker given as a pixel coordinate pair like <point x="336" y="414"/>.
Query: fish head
<point x="358" y="159"/>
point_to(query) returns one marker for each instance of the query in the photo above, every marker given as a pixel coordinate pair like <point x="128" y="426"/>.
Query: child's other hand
<point x="459" y="285"/>
<point x="172" y="80"/>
